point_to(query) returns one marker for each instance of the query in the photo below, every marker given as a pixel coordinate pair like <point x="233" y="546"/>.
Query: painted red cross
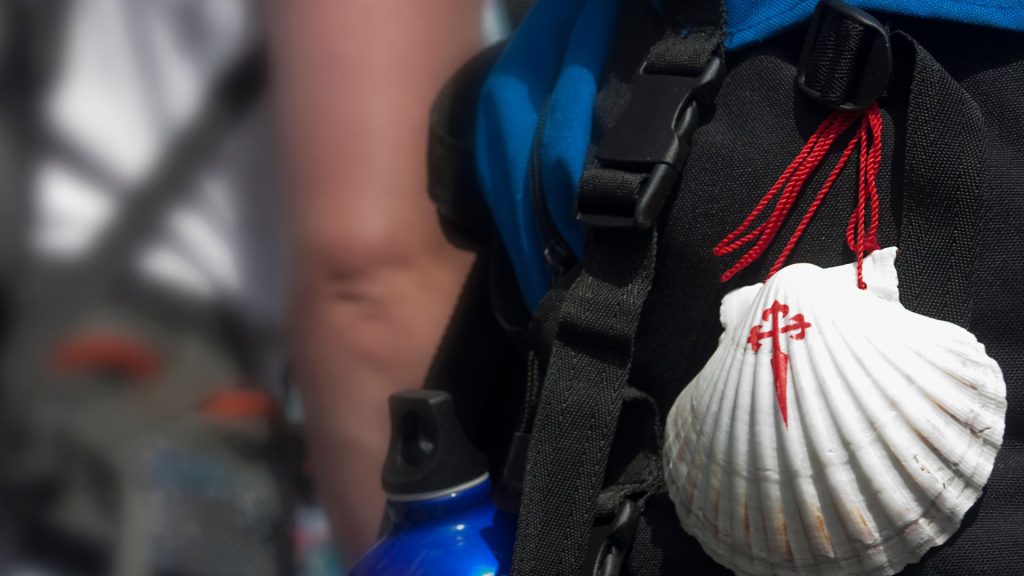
<point x="797" y="329"/>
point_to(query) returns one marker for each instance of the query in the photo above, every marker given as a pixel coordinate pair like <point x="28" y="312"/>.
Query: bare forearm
<point x="374" y="279"/>
<point x="355" y="342"/>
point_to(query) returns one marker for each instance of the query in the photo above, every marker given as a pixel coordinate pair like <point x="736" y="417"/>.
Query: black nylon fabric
<point x="834" y="61"/>
<point x="674" y="53"/>
<point x="989" y="66"/>
<point x="695" y="16"/>
<point x="943" y="177"/>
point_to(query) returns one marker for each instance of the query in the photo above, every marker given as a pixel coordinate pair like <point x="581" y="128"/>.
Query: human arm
<point x="374" y="280"/>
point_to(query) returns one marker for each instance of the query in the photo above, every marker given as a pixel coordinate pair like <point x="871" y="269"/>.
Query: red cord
<point x="862" y="230"/>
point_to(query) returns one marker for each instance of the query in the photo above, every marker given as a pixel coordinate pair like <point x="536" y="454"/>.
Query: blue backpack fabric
<point x="556" y="59"/>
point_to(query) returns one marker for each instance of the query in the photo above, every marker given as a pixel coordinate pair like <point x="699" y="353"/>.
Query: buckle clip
<point x="617" y="539"/>
<point x="652" y="137"/>
<point x="839" y="35"/>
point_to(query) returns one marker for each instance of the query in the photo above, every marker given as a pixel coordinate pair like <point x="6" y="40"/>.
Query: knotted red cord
<point x="862" y="230"/>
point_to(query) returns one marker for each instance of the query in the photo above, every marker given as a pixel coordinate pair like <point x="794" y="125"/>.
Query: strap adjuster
<point x="615" y="540"/>
<point x="847" y="59"/>
<point x="651" y="138"/>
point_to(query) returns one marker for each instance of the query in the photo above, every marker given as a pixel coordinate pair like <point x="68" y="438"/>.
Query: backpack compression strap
<point x="635" y="169"/>
<point x="944" y="191"/>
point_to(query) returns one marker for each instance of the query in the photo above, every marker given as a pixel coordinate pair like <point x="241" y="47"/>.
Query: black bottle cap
<point x="428" y="451"/>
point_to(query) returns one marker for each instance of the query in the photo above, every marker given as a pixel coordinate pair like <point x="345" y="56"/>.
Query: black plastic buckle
<point x="872" y="56"/>
<point x="652" y="136"/>
<point x="616" y="540"/>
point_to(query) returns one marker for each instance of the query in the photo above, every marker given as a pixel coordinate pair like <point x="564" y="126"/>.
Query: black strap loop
<point x="681" y="55"/>
<point x="846" y="60"/>
<point x="701" y="22"/>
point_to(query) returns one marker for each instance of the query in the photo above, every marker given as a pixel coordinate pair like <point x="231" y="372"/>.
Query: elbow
<point x="359" y="260"/>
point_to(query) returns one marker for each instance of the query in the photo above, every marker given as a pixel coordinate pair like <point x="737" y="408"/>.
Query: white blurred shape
<point x="200" y="235"/>
<point x="98" y="100"/>
<point x="160" y="263"/>
<point x="69" y="211"/>
<point x="133" y="74"/>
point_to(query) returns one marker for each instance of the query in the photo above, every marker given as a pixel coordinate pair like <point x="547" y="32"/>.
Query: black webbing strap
<point x="943" y="192"/>
<point x="846" y="60"/>
<point x="700" y="22"/>
<point x="621" y="193"/>
<point x="694" y="34"/>
<point x="580" y="402"/>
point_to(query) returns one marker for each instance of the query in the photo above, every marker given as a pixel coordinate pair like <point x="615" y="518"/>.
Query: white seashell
<point x="893" y="422"/>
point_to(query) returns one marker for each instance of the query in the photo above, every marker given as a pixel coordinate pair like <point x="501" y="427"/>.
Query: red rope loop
<point x="862" y="230"/>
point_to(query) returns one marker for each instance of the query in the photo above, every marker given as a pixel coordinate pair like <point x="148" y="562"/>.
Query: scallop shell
<point x="879" y="439"/>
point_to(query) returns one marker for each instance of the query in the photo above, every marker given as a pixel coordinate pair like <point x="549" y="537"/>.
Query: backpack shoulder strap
<point x="635" y="169"/>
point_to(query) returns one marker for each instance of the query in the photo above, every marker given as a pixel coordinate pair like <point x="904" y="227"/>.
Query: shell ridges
<point x="885" y="437"/>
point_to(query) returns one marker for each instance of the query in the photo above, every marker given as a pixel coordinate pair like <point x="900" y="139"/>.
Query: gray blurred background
<point x="145" y="425"/>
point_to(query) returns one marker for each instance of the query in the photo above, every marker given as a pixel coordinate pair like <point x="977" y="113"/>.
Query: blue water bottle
<point x="443" y="519"/>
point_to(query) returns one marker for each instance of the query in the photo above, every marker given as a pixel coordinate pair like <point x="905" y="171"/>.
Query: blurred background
<point x="144" y="426"/>
<point x="149" y="423"/>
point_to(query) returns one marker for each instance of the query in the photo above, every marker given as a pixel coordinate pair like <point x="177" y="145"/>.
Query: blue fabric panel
<point x="567" y="128"/>
<point x="754" y="20"/>
<point x="510" y="104"/>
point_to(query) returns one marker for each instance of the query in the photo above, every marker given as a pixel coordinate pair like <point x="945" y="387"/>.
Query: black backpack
<point x="569" y="401"/>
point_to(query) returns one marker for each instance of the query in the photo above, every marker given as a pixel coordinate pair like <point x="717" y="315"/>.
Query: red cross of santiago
<point x="796" y="329"/>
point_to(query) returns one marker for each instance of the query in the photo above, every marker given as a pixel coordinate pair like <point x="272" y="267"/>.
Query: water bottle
<point x="443" y="519"/>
